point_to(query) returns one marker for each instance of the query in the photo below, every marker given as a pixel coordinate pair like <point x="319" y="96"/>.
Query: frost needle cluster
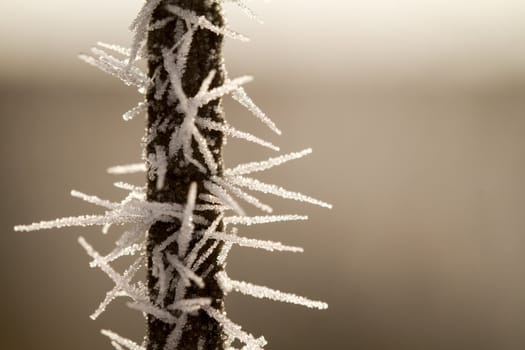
<point x="222" y="192"/>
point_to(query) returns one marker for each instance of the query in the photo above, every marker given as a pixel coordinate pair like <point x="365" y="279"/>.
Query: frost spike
<point x="124" y="51"/>
<point x="247" y="10"/>
<point x="226" y="88"/>
<point x="252" y="167"/>
<point x="186" y="229"/>
<point x="191" y="305"/>
<point x="204" y="256"/>
<point x="256" y="185"/>
<point x="132" y="113"/>
<point x="116" y="67"/>
<point x="83" y="220"/>
<point x="231" y="131"/>
<point x="224" y="197"/>
<point x="139" y="26"/>
<point x="263" y="292"/>
<point x="94" y="200"/>
<point x="120" y="284"/>
<point x="132" y="291"/>
<point x="255" y="243"/>
<point x="241" y="194"/>
<point x="265" y="219"/>
<point x="240" y="96"/>
<point x="121" y="341"/>
<point x="192" y="256"/>
<point x="235" y="331"/>
<point x="204" y="23"/>
<point x="127" y="169"/>
<point x="150" y="309"/>
<point x="186" y="273"/>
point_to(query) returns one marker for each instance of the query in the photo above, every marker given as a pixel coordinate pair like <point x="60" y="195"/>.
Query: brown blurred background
<point x="416" y="114"/>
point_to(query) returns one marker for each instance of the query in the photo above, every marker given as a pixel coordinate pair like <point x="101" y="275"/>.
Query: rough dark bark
<point x="204" y="55"/>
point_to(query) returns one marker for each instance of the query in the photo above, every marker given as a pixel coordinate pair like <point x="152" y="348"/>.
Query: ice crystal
<point x="120" y="341"/>
<point x="117" y="67"/>
<point x="181" y="271"/>
<point x="240" y="96"/>
<point x="139" y="26"/>
<point x="186" y="230"/>
<point x="265" y="219"/>
<point x="235" y="331"/>
<point x="228" y="130"/>
<point x="246" y="10"/>
<point x="158" y="166"/>
<point x="254" y="243"/>
<point x="261" y="292"/>
<point x="127" y="169"/>
<point x="202" y="22"/>
<point x="138" y="109"/>
<point x="256" y="185"/>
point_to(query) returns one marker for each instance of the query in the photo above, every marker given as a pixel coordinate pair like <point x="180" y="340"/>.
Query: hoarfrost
<point x="202" y="22"/>
<point x="117" y="339"/>
<point x="129" y="75"/>
<point x="241" y="194"/>
<point x="256" y="185"/>
<point x="262" y="292"/>
<point x="181" y="271"/>
<point x="231" y="131"/>
<point x="253" y="167"/>
<point x="138" y="109"/>
<point x="139" y="26"/>
<point x="191" y="305"/>
<point x="265" y="219"/>
<point x="127" y="169"/>
<point x="149" y="309"/>
<point x="185" y="273"/>
<point x="240" y="96"/>
<point x="246" y="10"/>
<point x="254" y="243"/>
<point x="235" y="331"/>
<point x="158" y="166"/>
<point x="186" y="229"/>
<point x="174" y="338"/>
<point x="224" y="197"/>
<point x="124" y="51"/>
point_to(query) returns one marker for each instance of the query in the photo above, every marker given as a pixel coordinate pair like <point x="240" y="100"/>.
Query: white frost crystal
<point x="138" y="214"/>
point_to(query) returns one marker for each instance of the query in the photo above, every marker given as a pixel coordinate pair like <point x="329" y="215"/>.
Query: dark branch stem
<point x="163" y="120"/>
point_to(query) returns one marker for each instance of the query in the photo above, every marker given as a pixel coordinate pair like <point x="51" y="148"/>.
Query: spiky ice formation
<point x="182" y="225"/>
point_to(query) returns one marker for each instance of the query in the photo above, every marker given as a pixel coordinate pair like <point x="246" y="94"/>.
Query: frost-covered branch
<point x="182" y="225"/>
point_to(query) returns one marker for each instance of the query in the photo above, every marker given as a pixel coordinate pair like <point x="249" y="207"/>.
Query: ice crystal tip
<point x="265" y="219"/>
<point x="124" y="51"/>
<point x="255" y="243"/>
<point x="256" y="185"/>
<point x="252" y="167"/>
<point x="204" y="23"/>
<point x="263" y="292"/>
<point x="231" y="131"/>
<point x="186" y="230"/>
<point x="127" y="169"/>
<point x="135" y="111"/>
<point x="249" y="12"/>
<point x="83" y="220"/>
<point x="240" y="96"/>
<point x="117" y="339"/>
<point x="241" y="194"/>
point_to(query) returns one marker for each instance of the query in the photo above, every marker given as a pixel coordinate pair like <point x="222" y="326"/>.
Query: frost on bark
<point x="183" y="223"/>
<point x="165" y="118"/>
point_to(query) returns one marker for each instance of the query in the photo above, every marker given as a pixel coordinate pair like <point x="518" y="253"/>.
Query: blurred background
<point x="416" y="114"/>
